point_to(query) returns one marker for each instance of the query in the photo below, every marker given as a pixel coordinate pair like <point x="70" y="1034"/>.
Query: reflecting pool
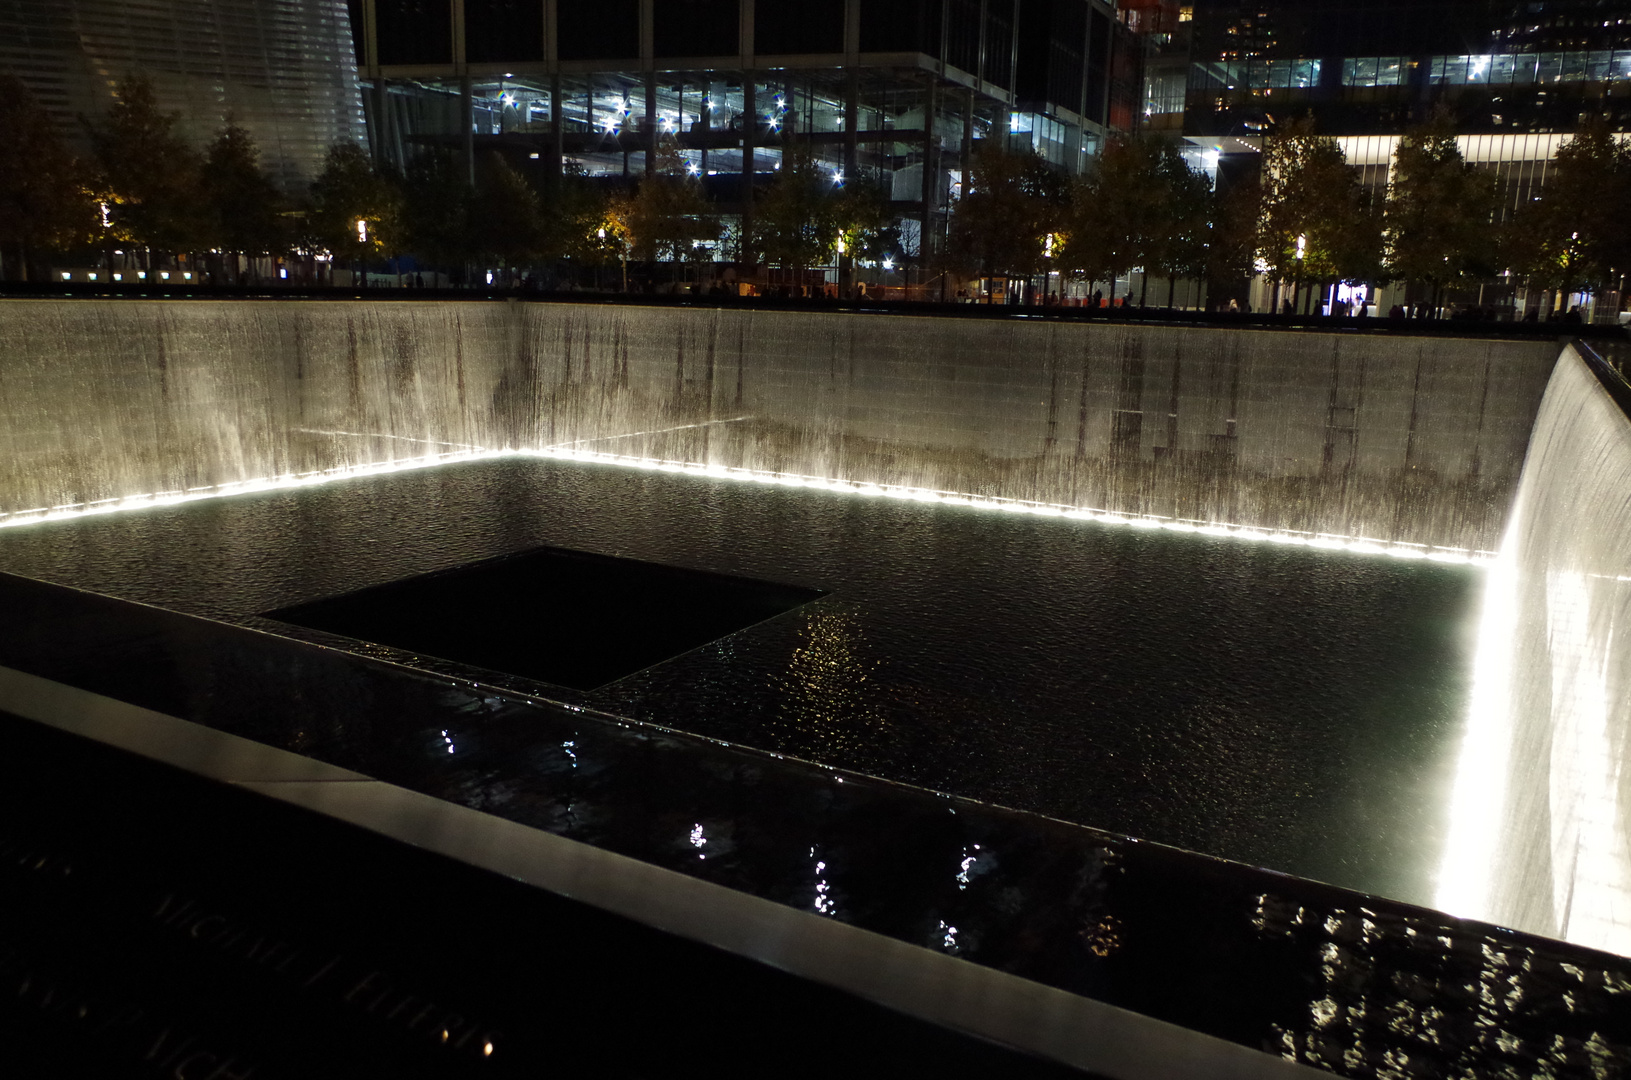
<point x="1289" y="707"/>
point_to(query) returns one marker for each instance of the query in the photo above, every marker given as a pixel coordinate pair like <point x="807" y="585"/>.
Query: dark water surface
<point x="1286" y="707"/>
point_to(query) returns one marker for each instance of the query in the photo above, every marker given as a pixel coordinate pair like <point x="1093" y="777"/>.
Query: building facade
<point x="1515" y="76"/>
<point x="284" y="69"/>
<point x="897" y="90"/>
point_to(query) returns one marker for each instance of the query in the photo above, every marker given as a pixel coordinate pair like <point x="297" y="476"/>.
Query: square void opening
<point x="563" y="617"/>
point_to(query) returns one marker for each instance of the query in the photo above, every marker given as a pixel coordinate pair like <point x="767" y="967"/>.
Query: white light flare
<point x="1478" y="795"/>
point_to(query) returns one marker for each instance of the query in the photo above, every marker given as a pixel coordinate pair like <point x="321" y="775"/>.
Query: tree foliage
<point x="241" y="206"/>
<point x="1012" y="204"/>
<point x="797" y="219"/>
<point x="151" y="175"/>
<point x="1316" y="223"/>
<point x="45" y="198"/>
<point x="1139" y="205"/>
<point x="506" y="215"/>
<point x="668" y="215"/>
<point x="865" y="219"/>
<point x="1574" y="232"/>
<point x="578" y="223"/>
<point x="1231" y="232"/>
<point x="436" y="209"/>
<point x="1440" y="210"/>
<point x="349" y="190"/>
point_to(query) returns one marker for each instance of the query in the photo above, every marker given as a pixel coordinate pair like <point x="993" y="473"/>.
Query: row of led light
<point x="119" y="504"/>
<point x="164" y="275"/>
<point x="1360" y="545"/>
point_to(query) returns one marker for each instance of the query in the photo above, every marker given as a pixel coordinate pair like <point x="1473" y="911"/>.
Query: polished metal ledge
<point x="940" y="989"/>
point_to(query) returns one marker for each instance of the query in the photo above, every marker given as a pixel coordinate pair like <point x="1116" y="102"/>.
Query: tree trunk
<point x="1144" y="289"/>
<point x="1112" y="290"/>
<point x="1172" y="285"/>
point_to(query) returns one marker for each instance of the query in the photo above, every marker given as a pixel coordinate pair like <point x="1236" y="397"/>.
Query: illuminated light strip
<point x="1331" y="541"/>
<point x="563" y="451"/>
<point x="288" y="481"/>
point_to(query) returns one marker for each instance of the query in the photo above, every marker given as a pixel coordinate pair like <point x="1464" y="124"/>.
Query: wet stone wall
<point x="1408" y="440"/>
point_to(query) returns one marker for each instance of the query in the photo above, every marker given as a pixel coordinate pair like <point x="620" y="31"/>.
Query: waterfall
<point x="1398" y="440"/>
<point x="1541" y="821"/>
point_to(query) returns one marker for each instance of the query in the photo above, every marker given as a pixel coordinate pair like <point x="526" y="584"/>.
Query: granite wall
<point x="1409" y="440"/>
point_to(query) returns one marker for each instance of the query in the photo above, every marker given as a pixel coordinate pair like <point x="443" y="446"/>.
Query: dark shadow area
<point x="167" y="925"/>
<point x="1608" y="336"/>
<point x="562" y="617"/>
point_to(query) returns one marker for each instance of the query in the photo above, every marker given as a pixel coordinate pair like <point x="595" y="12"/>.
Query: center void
<point x="559" y="616"/>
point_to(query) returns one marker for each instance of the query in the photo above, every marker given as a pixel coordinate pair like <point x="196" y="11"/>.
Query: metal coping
<point x="1152" y="316"/>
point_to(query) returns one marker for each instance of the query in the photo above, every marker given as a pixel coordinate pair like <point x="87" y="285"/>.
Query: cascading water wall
<point x="1540" y="836"/>
<point x="1330" y="438"/>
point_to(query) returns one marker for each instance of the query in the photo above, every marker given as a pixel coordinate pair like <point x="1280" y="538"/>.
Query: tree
<point x="1574" y="233"/>
<point x="436" y="210"/>
<point x="1122" y="210"/>
<point x="1440" y="211"/>
<point x="1314" y="224"/>
<point x="1011" y="215"/>
<point x="865" y="220"/>
<point x="797" y="221"/>
<point x="45" y="203"/>
<point x="575" y="220"/>
<point x="355" y="211"/>
<point x="506" y="215"/>
<point x="1175" y="242"/>
<point x="151" y="175"/>
<point x="241" y="206"/>
<point x="668" y="216"/>
<point x="1231" y="245"/>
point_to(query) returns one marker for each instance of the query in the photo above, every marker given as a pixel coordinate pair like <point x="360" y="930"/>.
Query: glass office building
<point x="896" y="89"/>
<point x="1515" y="75"/>
<point x="284" y="69"/>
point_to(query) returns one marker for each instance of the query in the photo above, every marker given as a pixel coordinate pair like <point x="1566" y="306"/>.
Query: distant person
<point x="1234" y="306"/>
<point x="1396" y="312"/>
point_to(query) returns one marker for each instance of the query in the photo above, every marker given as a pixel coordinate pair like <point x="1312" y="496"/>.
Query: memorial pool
<point x="1283" y="706"/>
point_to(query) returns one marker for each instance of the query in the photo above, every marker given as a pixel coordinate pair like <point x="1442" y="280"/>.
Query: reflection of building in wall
<point x="1513" y="74"/>
<point x="900" y="89"/>
<point x="284" y="69"/>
